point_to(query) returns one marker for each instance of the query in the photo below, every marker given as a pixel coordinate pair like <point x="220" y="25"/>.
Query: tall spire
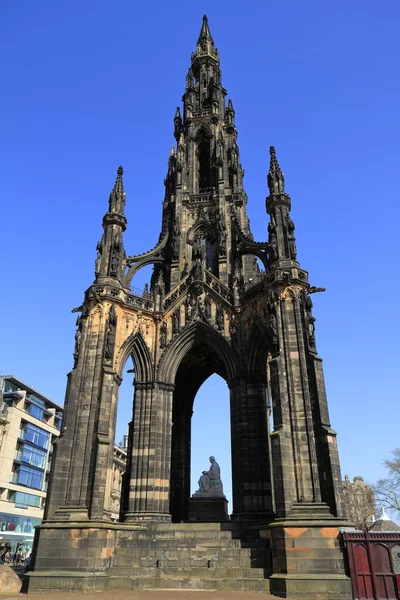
<point x="110" y="250"/>
<point x="281" y="238"/>
<point x="205" y="43"/>
<point x="276" y="180"/>
<point x="117" y="196"/>
<point x="205" y="33"/>
<point x="206" y="169"/>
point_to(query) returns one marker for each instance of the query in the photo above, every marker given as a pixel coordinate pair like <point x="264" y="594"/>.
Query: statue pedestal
<point x="204" y="507"/>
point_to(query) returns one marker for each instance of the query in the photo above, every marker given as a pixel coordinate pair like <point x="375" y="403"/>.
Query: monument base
<point x="208" y="508"/>
<point x="308" y="557"/>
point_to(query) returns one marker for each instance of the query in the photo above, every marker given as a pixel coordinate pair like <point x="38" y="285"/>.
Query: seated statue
<point x="210" y="481"/>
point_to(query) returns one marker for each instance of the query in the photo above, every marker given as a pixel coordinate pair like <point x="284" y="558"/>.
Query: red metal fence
<point x="374" y="561"/>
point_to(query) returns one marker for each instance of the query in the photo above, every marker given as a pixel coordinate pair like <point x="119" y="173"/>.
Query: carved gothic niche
<point x="176" y="321"/>
<point x="78" y="335"/>
<point x="221" y="227"/>
<point x="99" y="249"/>
<point x="190" y="308"/>
<point x="220" y="318"/>
<point x="207" y="307"/>
<point x="309" y="319"/>
<point x="238" y="279"/>
<point x="233" y="325"/>
<point x="203" y="247"/>
<point x="272" y="300"/>
<point x="110" y="335"/>
<point x="175" y="239"/>
<point x="272" y="240"/>
<point x="204" y="165"/>
<point x="288" y="294"/>
<point x="163" y="335"/>
<point x="272" y="322"/>
<point x="115" y="257"/>
<point x="220" y="149"/>
<point x="291" y="240"/>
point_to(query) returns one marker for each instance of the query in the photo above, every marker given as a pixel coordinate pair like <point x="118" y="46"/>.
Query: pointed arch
<point x="199" y="225"/>
<point x="289" y="293"/>
<point x="139" y="265"/>
<point x="241" y="251"/>
<point x="257" y="350"/>
<point x="136" y="347"/>
<point x="204" y="129"/>
<point x="195" y="334"/>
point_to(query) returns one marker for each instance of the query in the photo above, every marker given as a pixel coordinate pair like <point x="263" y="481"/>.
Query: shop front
<point x="17" y="532"/>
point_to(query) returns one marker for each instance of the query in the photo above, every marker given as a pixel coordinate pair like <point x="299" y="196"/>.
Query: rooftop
<point x="31" y="390"/>
<point x="384" y="523"/>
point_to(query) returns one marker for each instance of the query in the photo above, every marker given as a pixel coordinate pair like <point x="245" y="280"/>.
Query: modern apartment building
<point x="29" y="424"/>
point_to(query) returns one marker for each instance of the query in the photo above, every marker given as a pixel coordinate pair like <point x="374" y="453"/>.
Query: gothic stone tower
<point x="209" y="309"/>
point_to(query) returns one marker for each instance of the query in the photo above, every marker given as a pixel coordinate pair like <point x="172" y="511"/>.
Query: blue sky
<point x="87" y="86"/>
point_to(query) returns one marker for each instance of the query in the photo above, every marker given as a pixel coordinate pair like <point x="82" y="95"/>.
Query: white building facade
<point x="29" y="424"/>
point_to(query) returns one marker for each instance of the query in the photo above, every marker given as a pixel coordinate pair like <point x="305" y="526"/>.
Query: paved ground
<point x="147" y="595"/>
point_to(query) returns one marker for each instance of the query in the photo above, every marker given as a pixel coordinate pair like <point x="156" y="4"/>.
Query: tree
<point x="387" y="491"/>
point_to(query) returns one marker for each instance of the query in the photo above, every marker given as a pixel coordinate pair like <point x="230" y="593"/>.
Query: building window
<point x="58" y="420"/>
<point x="32" y="456"/>
<point x="34" y="411"/>
<point x="19" y="524"/>
<point x="36" y="435"/>
<point x="36" y="400"/>
<point x="23" y="500"/>
<point x="36" y="407"/>
<point x="10" y="387"/>
<point x="27" y="476"/>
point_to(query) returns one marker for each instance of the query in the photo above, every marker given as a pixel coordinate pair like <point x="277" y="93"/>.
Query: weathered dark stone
<point x="202" y="508"/>
<point x="209" y="309"/>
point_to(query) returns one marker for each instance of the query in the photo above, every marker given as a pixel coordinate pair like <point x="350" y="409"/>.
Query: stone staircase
<point x="207" y="556"/>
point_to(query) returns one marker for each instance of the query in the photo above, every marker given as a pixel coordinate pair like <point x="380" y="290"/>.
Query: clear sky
<point x="87" y="86"/>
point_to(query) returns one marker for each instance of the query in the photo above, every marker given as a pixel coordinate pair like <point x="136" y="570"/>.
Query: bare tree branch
<point x="387" y="490"/>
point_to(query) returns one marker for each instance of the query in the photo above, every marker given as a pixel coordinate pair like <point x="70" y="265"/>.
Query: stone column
<point x="62" y="451"/>
<point x="104" y="442"/>
<point x="251" y="479"/>
<point x="70" y="492"/>
<point x="151" y="453"/>
<point x="292" y="441"/>
<point x="180" y="468"/>
<point x="326" y="444"/>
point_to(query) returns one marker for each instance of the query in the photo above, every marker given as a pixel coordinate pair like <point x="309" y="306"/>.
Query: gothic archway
<point x="195" y="354"/>
<point x="192" y="336"/>
<point x="197" y="365"/>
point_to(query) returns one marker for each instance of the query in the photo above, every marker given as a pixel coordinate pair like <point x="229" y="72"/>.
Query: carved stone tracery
<point x="218" y="302"/>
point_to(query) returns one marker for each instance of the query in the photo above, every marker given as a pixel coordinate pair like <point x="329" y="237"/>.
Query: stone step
<point x="192" y="526"/>
<point x="188" y="572"/>
<point x="134" y="552"/>
<point x="183" y="535"/>
<point x="186" y="558"/>
<point x="178" y="562"/>
<point x="188" y="552"/>
<point x="198" y="583"/>
<point x="178" y="543"/>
